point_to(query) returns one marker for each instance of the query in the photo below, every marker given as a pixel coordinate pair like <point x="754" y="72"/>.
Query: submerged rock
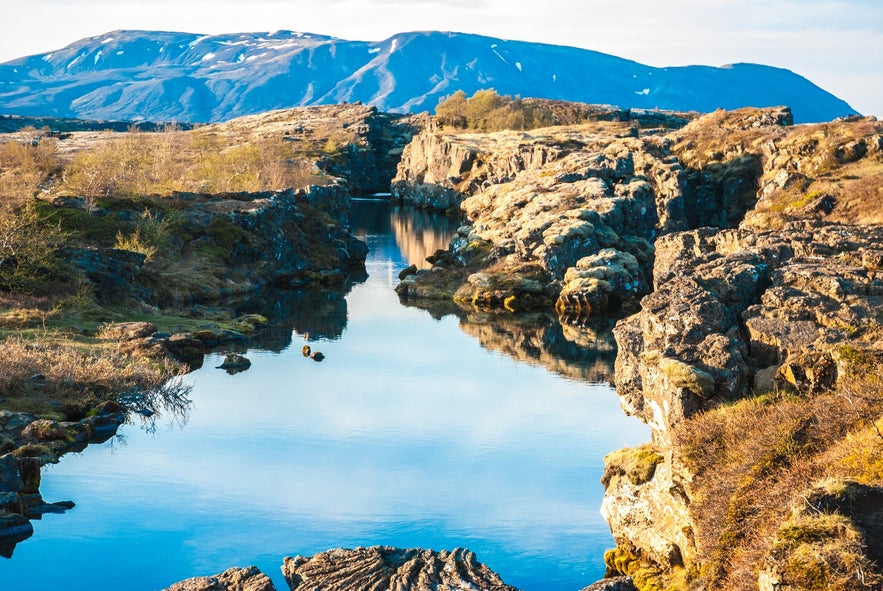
<point x="382" y="567"/>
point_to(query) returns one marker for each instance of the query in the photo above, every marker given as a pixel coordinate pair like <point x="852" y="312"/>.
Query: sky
<point x="836" y="44"/>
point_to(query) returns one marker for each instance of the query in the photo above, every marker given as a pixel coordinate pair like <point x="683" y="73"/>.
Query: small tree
<point x="27" y="247"/>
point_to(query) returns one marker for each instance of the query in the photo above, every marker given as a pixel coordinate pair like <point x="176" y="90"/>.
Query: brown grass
<point x="750" y="460"/>
<point x="837" y="159"/>
<point x="43" y="378"/>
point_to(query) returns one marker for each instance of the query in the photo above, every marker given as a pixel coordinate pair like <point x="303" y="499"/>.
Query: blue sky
<point x="838" y="45"/>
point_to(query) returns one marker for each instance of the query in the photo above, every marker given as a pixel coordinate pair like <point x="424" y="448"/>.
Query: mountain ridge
<point x="163" y="75"/>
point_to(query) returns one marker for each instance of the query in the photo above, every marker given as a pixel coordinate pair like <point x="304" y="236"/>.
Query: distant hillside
<point x="150" y="75"/>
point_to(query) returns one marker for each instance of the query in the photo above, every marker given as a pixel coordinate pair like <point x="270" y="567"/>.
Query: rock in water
<point x="613" y="584"/>
<point x="233" y="579"/>
<point x="235" y="363"/>
<point x="383" y="567"/>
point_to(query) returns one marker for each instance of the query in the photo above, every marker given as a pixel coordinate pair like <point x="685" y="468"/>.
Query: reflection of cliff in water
<point x="580" y="351"/>
<point x="313" y="313"/>
<point x="418" y="233"/>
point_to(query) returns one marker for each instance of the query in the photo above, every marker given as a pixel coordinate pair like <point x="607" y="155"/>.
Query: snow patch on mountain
<point x="178" y="76"/>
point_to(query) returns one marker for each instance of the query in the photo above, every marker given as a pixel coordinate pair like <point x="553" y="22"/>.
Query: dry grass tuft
<point x="42" y="378"/>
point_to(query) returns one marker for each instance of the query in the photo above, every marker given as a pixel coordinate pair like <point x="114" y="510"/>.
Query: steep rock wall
<point x="735" y="313"/>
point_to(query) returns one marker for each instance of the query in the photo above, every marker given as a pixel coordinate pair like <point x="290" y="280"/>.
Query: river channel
<point x="419" y="429"/>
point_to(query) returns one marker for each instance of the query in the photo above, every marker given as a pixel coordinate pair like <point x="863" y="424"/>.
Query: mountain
<point x="150" y="75"/>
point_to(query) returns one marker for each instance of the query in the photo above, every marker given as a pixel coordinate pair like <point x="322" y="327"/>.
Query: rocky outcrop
<point x="291" y="234"/>
<point x="383" y="567"/>
<point x="828" y="171"/>
<point x="731" y="303"/>
<point x="540" y="235"/>
<point x="735" y="313"/>
<point x="438" y="171"/>
<point x="35" y="442"/>
<point x="537" y="223"/>
<point x="357" y="142"/>
<point x="233" y="579"/>
<point x="613" y="584"/>
<point x="579" y="191"/>
<point x="113" y="272"/>
<point x="243" y="242"/>
<point x="440" y="168"/>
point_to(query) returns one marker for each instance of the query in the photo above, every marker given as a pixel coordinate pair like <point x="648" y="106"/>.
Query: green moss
<point x="820" y="551"/>
<point x="687" y="376"/>
<point x="32" y="450"/>
<point x="824" y="527"/>
<point x="81" y="225"/>
<point x="637" y="464"/>
<point x="224" y="235"/>
<point x="855" y="361"/>
<point x="646" y="575"/>
<point x="248" y="324"/>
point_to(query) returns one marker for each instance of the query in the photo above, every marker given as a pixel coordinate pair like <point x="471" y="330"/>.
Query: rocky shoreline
<point x="744" y="256"/>
<point x="749" y="249"/>
<point x="216" y="247"/>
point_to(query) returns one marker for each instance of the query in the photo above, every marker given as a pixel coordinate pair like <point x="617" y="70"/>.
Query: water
<point x="416" y="431"/>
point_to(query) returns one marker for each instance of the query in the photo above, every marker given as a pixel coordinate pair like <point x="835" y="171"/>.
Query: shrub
<point x="488" y="111"/>
<point x="27" y="248"/>
<point x="141" y="163"/>
<point x="25" y="168"/>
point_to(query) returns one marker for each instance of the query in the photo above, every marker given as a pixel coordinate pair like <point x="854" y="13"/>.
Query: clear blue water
<point x="409" y="434"/>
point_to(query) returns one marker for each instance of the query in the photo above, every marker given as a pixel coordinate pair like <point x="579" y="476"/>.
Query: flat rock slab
<point x="383" y="567"/>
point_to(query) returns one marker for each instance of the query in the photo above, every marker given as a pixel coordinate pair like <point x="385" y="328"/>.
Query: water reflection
<point x="418" y="233"/>
<point x="584" y="351"/>
<point x="169" y="403"/>
<point x="418" y="430"/>
<point x="314" y="314"/>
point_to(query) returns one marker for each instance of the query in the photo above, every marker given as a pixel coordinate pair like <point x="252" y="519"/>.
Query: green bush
<point x="488" y="111"/>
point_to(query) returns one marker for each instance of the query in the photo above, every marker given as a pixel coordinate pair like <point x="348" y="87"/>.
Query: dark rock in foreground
<point x="383" y="567"/>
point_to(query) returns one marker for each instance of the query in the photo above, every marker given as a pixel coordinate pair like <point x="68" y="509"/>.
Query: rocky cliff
<point x="568" y="215"/>
<point x="352" y="141"/>
<point x="753" y="247"/>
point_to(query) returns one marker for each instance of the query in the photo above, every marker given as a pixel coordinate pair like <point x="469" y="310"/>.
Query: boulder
<point x="612" y="584"/>
<point x="608" y="278"/>
<point x="383" y="567"/>
<point x="128" y="331"/>
<point x="234" y="363"/>
<point x="113" y="272"/>
<point x="233" y="579"/>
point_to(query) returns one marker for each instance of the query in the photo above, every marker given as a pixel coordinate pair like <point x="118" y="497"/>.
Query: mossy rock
<point x="637" y="464"/>
<point x="645" y="575"/>
<point x="683" y="375"/>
